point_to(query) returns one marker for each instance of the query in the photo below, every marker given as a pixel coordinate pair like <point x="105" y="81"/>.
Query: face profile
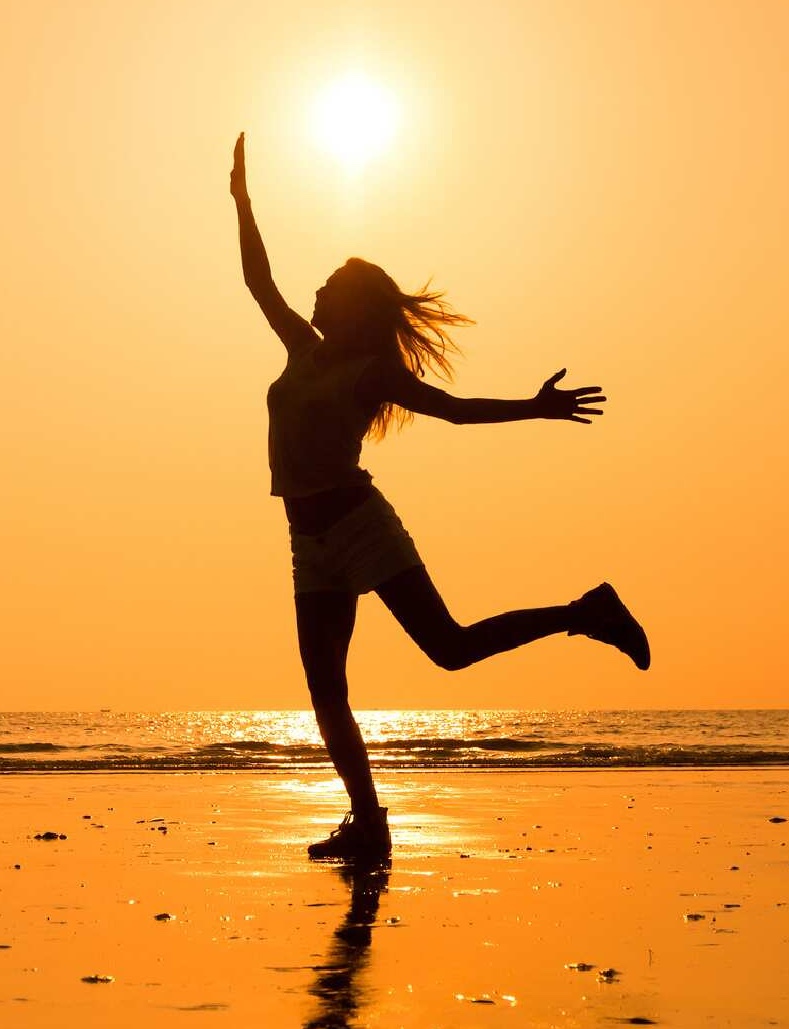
<point x="337" y="303"/>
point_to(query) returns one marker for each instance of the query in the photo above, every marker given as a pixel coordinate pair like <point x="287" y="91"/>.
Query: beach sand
<point x="499" y="882"/>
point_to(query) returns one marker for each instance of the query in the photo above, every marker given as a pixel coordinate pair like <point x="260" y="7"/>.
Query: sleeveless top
<point x="316" y="424"/>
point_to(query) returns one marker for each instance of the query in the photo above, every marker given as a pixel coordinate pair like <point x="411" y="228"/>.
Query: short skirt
<point x="357" y="553"/>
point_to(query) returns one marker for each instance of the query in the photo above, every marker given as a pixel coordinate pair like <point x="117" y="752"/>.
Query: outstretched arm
<point x="403" y="388"/>
<point x="291" y="328"/>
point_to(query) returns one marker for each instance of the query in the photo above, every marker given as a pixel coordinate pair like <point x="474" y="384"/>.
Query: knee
<point x="329" y="700"/>
<point x="452" y="662"/>
<point x="451" y="651"/>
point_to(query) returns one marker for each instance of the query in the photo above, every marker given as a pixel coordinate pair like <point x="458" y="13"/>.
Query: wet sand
<point x="500" y="882"/>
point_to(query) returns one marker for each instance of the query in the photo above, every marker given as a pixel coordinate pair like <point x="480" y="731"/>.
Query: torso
<point x="316" y="426"/>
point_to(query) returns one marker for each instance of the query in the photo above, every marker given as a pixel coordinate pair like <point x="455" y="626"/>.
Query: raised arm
<point x="291" y="328"/>
<point x="401" y="387"/>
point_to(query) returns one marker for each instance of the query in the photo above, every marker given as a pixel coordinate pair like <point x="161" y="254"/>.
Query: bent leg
<point x="417" y="605"/>
<point x="325" y="622"/>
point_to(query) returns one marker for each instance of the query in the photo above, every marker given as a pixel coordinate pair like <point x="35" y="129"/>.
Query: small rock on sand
<point x="164" y="916"/>
<point x="777" y="819"/>
<point x="483" y="998"/>
<point x="98" y="978"/>
<point x="50" y="836"/>
<point x="607" y="975"/>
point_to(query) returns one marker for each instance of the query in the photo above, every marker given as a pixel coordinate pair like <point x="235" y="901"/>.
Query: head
<point x="362" y="307"/>
<point x="357" y="304"/>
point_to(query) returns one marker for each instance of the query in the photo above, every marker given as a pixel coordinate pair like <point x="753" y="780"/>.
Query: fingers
<point x="574" y="404"/>
<point x="238" y="150"/>
<point x="555" y="378"/>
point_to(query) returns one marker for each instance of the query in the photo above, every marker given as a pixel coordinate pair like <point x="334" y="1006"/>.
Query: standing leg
<point x="325" y="622"/>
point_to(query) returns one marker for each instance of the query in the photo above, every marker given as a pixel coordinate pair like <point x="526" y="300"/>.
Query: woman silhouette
<point x="360" y="371"/>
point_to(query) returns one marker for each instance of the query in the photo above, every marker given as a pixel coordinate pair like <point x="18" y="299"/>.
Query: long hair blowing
<point x="415" y="331"/>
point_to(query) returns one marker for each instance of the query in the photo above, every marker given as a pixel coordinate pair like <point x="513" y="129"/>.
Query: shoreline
<point x="388" y="768"/>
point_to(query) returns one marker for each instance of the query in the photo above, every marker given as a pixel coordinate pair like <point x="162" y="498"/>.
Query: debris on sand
<point x="579" y="966"/>
<point x="50" y="836"/>
<point x="164" y="916"/>
<point x="694" y="916"/>
<point x="98" y="978"/>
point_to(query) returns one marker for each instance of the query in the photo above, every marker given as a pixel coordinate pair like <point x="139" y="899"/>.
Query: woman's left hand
<point x="238" y="176"/>
<point x="569" y="404"/>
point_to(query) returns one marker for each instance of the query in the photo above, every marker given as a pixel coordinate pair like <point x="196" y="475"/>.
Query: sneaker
<point x="355" y="841"/>
<point x="602" y="616"/>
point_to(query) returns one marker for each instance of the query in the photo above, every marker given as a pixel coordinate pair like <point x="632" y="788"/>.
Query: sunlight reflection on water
<point x="286" y="740"/>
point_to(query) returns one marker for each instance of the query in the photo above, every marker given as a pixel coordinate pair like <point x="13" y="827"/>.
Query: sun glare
<point x="355" y="120"/>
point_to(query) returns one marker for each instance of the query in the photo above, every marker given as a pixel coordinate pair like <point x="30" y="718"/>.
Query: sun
<point x="355" y="120"/>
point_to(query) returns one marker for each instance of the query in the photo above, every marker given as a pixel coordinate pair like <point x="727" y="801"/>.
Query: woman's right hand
<point x="238" y="176"/>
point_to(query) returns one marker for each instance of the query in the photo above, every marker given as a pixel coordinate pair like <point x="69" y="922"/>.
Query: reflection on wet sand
<point x="337" y="988"/>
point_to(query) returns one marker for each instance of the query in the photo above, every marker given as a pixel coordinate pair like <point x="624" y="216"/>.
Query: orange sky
<point x="600" y="184"/>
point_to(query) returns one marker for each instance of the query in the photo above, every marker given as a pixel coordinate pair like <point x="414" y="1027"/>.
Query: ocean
<point x="179" y="741"/>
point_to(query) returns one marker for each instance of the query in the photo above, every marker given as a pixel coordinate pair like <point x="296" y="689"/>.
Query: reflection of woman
<point x="339" y="986"/>
<point x="361" y="373"/>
